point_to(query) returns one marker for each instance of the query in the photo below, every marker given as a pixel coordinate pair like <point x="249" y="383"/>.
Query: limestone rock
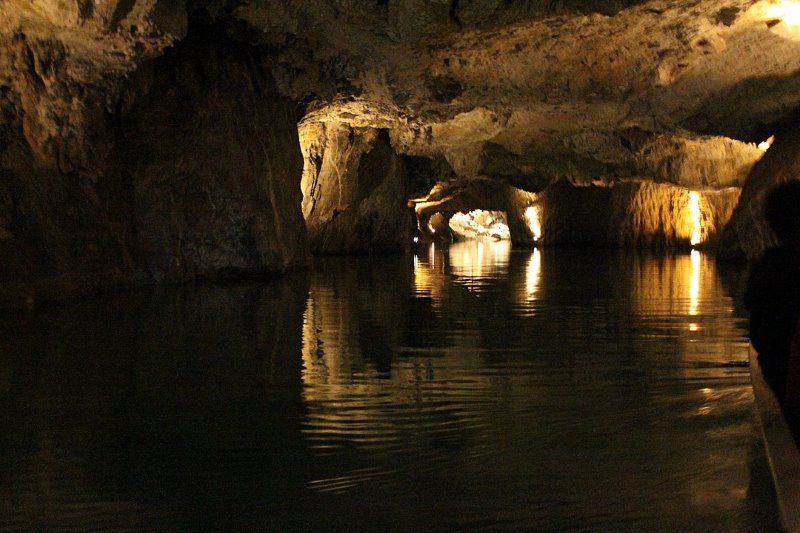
<point x="716" y="162"/>
<point x="126" y="156"/>
<point x="636" y="213"/>
<point x="193" y="171"/>
<point x="214" y="161"/>
<point x="354" y="190"/>
<point x="747" y="234"/>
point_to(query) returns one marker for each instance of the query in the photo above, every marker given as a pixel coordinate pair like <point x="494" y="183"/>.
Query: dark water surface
<point x="466" y="388"/>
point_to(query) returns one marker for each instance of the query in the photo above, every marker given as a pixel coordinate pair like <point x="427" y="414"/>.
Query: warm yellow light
<point x="534" y="222"/>
<point x="764" y="145"/>
<point x="533" y="273"/>
<point x="694" y="211"/>
<point x="787" y="11"/>
<point x="694" y="286"/>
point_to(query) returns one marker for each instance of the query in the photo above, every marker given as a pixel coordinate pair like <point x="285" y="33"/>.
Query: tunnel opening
<point x="480" y="224"/>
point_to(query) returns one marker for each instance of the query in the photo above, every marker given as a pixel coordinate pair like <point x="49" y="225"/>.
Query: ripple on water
<point x="469" y="388"/>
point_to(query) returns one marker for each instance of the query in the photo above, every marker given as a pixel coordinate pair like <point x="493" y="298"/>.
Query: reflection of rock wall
<point x="346" y="329"/>
<point x="747" y="234"/>
<point x="354" y="190"/>
<point x="168" y="390"/>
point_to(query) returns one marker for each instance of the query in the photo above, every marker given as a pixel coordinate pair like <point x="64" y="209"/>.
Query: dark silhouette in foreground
<point x="773" y="299"/>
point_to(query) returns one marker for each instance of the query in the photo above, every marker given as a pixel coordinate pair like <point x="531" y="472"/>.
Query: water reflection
<point x="470" y="263"/>
<point x="533" y="274"/>
<point x="494" y="369"/>
<point x="465" y="389"/>
<point x="151" y="411"/>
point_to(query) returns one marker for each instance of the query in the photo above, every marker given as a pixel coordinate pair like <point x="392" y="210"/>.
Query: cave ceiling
<point x="525" y="90"/>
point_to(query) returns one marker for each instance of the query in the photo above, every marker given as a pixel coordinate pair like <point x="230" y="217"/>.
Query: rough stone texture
<point x="747" y="233"/>
<point x="214" y="161"/>
<point x="543" y="91"/>
<point x="189" y="168"/>
<point x="716" y="162"/>
<point x="525" y="92"/>
<point x="537" y="89"/>
<point x="627" y="214"/>
<point x="354" y="190"/>
<point x="635" y="213"/>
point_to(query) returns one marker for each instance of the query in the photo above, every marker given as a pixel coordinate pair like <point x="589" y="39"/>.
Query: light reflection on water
<point x="525" y="385"/>
<point x="469" y="387"/>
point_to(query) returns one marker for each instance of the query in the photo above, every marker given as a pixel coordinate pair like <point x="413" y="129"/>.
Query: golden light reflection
<point x="474" y="262"/>
<point x="533" y="217"/>
<point x="694" y="286"/>
<point x="429" y="275"/>
<point x="533" y="274"/>
<point x="765" y="145"/>
<point x="694" y="211"/>
<point x="674" y="286"/>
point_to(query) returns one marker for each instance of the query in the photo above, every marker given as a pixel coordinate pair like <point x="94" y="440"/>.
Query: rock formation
<point x="625" y="214"/>
<point x="153" y="139"/>
<point x="187" y="167"/>
<point x="747" y="233"/>
<point x="354" y="190"/>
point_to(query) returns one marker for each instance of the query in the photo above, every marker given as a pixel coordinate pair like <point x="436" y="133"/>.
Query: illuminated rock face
<point x="636" y="213"/>
<point x="354" y="190"/>
<point x="627" y="214"/>
<point x="122" y="162"/>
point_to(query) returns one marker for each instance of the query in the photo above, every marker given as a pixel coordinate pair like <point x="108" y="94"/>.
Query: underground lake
<point x="466" y="386"/>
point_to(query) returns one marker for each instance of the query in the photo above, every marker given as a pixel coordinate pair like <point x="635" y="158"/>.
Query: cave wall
<point x="626" y="214"/>
<point x="700" y="162"/>
<point x="213" y="158"/>
<point x="747" y="234"/>
<point x="189" y="167"/>
<point x="354" y="190"/>
<point x="63" y="222"/>
<point x="632" y="214"/>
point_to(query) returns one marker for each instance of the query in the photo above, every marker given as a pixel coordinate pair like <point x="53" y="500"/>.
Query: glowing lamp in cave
<point x="694" y="212"/>
<point x="787" y="11"/>
<point x="535" y="225"/>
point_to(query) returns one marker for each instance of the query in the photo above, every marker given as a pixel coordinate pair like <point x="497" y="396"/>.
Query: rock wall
<point x="188" y="168"/>
<point x="214" y="161"/>
<point x="62" y="220"/>
<point x="354" y="190"/>
<point x="627" y="214"/>
<point x="633" y="214"/>
<point x="693" y="161"/>
<point x="747" y="234"/>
